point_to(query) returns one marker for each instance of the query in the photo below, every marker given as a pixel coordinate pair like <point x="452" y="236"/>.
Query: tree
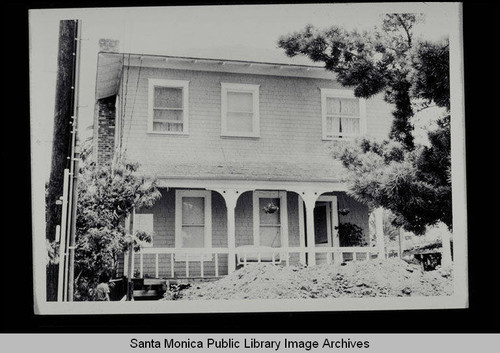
<point x="106" y="196"/>
<point x="411" y="180"/>
<point x="387" y="60"/>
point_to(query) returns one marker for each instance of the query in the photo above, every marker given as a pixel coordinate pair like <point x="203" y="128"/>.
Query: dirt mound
<point x="392" y="277"/>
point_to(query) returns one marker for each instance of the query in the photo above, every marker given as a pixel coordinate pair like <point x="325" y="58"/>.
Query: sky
<point x="244" y="32"/>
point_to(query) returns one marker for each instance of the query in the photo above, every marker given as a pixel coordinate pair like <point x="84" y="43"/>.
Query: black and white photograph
<point x="248" y="158"/>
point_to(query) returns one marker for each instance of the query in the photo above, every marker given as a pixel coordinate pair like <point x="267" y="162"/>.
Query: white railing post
<point x="141" y="264"/>
<point x="217" y="265"/>
<point x="201" y="266"/>
<point x="156" y="265"/>
<point x="172" y="265"/>
<point x="379" y="231"/>
<point x="446" y="252"/>
<point x="132" y="267"/>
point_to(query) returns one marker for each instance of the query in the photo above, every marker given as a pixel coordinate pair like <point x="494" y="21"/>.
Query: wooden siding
<point x="164" y="231"/>
<point x="290" y="120"/>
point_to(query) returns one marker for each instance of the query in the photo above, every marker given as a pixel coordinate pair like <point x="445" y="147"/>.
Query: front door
<point x="326" y="222"/>
<point x="322" y="224"/>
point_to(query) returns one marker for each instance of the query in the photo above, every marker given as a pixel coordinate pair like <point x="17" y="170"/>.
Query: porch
<point x="207" y="232"/>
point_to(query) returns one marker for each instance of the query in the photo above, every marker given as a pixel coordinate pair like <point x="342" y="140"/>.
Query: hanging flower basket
<point x="271" y="208"/>
<point x="344" y="211"/>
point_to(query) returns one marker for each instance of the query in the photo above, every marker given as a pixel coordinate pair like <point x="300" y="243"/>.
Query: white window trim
<point x="283" y="215"/>
<point x="342" y="93"/>
<point x="238" y="87"/>
<point x="207" y="195"/>
<point x="152" y="83"/>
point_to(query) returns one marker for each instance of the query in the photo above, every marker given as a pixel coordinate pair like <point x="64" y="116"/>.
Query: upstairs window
<point x="240" y="110"/>
<point x="168" y="106"/>
<point x="343" y="114"/>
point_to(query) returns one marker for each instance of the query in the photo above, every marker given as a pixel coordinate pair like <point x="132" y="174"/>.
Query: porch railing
<point x="278" y="255"/>
<point x="198" y="255"/>
<point x="246" y="255"/>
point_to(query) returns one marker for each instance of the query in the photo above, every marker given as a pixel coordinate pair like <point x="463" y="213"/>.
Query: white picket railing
<point x="278" y="255"/>
<point x="197" y="255"/>
<point x="245" y="255"/>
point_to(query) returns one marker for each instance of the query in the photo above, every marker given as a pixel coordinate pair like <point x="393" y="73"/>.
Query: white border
<point x="458" y="300"/>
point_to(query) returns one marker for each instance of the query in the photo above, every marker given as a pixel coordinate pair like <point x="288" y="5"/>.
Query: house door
<point x="322" y="224"/>
<point x="326" y="222"/>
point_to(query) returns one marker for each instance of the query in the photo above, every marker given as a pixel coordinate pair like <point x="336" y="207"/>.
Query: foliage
<point x="411" y="180"/>
<point x="386" y="60"/>
<point x="52" y="248"/>
<point x="106" y="196"/>
<point x="414" y="185"/>
<point x="351" y="235"/>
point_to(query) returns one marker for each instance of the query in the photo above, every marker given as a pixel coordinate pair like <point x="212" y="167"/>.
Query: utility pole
<point x="65" y="156"/>
<point x="57" y="186"/>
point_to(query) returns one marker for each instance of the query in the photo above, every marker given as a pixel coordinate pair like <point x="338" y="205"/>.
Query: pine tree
<point x="411" y="180"/>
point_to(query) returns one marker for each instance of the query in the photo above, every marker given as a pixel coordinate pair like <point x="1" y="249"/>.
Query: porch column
<point x="231" y="197"/>
<point x="446" y="252"/>
<point x="302" y="235"/>
<point x="379" y="231"/>
<point x="310" y="203"/>
<point x="231" y="237"/>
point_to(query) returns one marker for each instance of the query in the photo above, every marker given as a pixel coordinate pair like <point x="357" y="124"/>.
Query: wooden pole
<point x="74" y="170"/>
<point x="61" y="145"/>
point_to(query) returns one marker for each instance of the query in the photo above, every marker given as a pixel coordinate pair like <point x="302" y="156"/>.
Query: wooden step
<point x="147" y="293"/>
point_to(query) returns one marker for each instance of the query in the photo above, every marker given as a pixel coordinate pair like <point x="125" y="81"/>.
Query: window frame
<point x="282" y="195"/>
<point x="341" y="93"/>
<point x="207" y="196"/>
<point x="245" y="88"/>
<point x="184" y="85"/>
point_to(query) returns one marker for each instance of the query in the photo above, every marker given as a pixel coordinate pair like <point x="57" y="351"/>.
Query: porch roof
<point x="254" y="171"/>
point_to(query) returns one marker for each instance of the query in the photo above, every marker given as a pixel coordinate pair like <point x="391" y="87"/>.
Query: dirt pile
<point x="392" y="277"/>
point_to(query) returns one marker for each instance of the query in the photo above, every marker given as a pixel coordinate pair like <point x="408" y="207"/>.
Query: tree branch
<point x="407" y="30"/>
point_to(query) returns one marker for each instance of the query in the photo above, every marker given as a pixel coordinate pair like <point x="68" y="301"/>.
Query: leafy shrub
<point x="351" y="235"/>
<point x="106" y="196"/>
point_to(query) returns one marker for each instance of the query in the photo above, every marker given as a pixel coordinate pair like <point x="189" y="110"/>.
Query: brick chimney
<point x="109" y="45"/>
<point x="106" y="126"/>
<point x="105" y="116"/>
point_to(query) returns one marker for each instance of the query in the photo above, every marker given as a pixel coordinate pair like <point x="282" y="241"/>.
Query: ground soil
<point x="387" y="278"/>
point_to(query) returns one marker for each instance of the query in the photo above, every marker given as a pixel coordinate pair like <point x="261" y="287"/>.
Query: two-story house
<point x="241" y="153"/>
